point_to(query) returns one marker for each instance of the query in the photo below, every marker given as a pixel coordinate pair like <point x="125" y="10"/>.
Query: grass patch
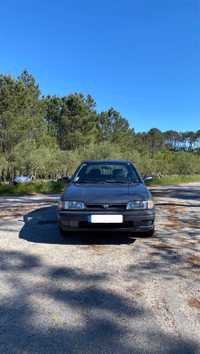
<point x="167" y="180"/>
<point x="32" y="188"/>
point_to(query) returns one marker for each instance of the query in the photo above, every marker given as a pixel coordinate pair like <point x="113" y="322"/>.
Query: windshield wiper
<point x="104" y="181"/>
<point x="122" y="182"/>
<point x="113" y="181"/>
<point x="88" y="181"/>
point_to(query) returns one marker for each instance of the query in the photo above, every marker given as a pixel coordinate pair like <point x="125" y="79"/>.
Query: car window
<point x="107" y="173"/>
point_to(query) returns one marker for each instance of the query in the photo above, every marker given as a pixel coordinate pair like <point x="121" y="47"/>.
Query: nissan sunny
<point x="106" y="195"/>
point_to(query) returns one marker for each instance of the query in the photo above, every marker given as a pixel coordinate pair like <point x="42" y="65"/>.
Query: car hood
<point x="106" y="193"/>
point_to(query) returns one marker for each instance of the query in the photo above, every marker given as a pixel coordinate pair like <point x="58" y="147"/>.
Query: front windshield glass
<point x="108" y="172"/>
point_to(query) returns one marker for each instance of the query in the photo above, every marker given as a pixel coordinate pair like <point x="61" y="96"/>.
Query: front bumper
<point x="135" y="221"/>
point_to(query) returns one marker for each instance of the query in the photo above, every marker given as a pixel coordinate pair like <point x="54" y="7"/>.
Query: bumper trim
<point x="137" y="221"/>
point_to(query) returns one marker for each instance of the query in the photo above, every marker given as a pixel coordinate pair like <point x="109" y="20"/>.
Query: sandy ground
<point x="100" y="293"/>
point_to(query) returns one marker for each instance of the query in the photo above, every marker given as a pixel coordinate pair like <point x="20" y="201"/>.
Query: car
<point x="106" y="195"/>
<point x="22" y="179"/>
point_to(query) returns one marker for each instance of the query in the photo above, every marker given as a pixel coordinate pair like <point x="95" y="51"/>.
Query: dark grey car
<point x="106" y="195"/>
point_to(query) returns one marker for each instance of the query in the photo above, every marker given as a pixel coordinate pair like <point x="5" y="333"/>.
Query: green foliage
<point x="47" y="137"/>
<point x="174" y="179"/>
<point x="32" y="188"/>
<point x="72" y="120"/>
<point x="39" y="161"/>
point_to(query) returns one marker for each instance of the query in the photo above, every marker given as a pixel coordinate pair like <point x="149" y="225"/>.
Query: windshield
<point x="108" y="172"/>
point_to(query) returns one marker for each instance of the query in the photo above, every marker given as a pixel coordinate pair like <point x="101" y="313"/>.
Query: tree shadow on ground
<point x="167" y="259"/>
<point x="40" y="226"/>
<point x="177" y="205"/>
<point x="177" y="192"/>
<point x="75" y="314"/>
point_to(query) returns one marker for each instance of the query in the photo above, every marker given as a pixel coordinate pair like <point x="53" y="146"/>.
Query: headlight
<point x="71" y="204"/>
<point x="140" y="204"/>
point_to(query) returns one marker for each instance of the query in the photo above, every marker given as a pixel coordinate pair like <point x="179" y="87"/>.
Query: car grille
<point x="106" y="207"/>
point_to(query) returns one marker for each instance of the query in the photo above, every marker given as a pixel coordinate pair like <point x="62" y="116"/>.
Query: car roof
<point x="106" y="161"/>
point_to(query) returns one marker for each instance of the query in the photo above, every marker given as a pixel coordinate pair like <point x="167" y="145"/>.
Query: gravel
<point x="104" y="293"/>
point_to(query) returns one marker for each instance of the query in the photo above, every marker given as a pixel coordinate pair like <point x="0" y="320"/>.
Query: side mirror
<point x="147" y="178"/>
<point x="66" y="179"/>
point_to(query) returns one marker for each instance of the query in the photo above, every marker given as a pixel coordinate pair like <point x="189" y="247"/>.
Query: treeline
<point x="47" y="136"/>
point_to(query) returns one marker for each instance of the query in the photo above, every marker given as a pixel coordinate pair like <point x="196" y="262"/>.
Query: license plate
<point x="106" y="219"/>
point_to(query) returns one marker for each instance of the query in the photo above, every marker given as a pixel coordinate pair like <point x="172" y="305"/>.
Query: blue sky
<point x="140" y="56"/>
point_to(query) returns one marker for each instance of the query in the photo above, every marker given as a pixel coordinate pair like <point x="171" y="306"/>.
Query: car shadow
<point x="40" y="226"/>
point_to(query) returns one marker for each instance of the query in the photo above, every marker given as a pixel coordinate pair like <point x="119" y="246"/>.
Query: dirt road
<point x="100" y="293"/>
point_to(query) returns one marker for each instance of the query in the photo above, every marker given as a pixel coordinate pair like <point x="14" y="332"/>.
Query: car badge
<point x="106" y="206"/>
